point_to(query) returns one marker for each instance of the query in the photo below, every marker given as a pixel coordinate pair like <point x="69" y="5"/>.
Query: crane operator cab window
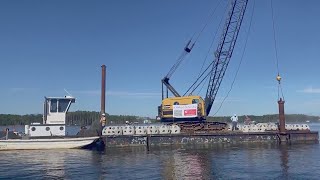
<point x="195" y="101"/>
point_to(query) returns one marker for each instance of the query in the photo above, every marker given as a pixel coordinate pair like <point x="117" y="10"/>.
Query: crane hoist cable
<point x="201" y="72"/>
<point x="199" y="79"/>
<point x="203" y="85"/>
<point x="184" y="53"/>
<point x="207" y="21"/>
<point x="276" y="54"/>
<point x="189" y="46"/>
<point x="194" y="86"/>
<point x="241" y="59"/>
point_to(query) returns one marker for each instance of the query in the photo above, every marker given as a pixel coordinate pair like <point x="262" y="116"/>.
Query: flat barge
<point x="212" y="138"/>
<point x="125" y="136"/>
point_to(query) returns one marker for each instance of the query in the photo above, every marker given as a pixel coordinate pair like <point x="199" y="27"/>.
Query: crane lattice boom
<point x="224" y="50"/>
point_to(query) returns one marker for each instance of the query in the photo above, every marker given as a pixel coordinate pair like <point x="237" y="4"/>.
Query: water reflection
<point x="226" y="161"/>
<point x="216" y="161"/>
<point x="186" y="165"/>
<point x="50" y="164"/>
<point x="284" y="157"/>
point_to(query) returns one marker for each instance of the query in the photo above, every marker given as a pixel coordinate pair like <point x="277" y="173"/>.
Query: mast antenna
<point x="67" y="92"/>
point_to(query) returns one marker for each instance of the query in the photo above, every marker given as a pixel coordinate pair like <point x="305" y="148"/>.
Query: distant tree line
<point x="82" y="118"/>
<point x="12" y="119"/>
<point x="85" y="118"/>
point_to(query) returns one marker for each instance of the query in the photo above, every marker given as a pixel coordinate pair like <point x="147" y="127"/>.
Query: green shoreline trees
<point x="84" y="118"/>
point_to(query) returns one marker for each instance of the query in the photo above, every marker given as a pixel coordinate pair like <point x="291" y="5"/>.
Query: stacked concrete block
<point x="140" y="130"/>
<point x="153" y="129"/>
<point x="165" y="129"/>
<point x="112" y="130"/>
<point x="128" y="130"/>
<point x="175" y="129"/>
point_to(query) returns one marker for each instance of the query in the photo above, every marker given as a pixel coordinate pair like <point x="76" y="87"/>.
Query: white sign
<point x="185" y="111"/>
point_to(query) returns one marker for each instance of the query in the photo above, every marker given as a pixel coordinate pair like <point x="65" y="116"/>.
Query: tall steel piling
<point x="282" y="121"/>
<point x="103" y="119"/>
<point x="283" y="136"/>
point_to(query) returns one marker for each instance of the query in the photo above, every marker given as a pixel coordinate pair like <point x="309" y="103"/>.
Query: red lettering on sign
<point x="190" y="112"/>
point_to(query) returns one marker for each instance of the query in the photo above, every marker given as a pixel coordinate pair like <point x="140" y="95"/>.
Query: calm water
<point x="254" y="161"/>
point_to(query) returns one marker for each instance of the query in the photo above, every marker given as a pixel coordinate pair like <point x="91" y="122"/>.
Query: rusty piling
<point x="103" y="119"/>
<point x="282" y="121"/>
<point x="282" y="135"/>
<point x="103" y="90"/>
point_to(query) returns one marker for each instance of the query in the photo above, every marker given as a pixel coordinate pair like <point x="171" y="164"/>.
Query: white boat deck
<point x="46" y="143"/>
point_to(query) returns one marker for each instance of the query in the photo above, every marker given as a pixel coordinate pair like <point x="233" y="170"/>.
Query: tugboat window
<point x="47" y="128"/>
<point x="63" y="104"/>
<point x="33" y="129"/>
<point x="53" y="106"/>
<point x="176" y="103"/>
<point x="61" y="128"/>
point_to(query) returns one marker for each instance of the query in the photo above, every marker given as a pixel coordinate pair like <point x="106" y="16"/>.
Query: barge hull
<point x="234" y="138"/>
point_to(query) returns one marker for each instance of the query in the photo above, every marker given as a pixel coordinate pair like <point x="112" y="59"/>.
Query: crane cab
<point x="186" y="108"/>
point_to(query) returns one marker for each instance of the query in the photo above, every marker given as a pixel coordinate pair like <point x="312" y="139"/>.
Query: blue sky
<point x="49" y="46"/>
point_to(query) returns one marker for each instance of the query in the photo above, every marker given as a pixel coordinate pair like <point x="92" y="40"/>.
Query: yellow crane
<point x="191" y="111"/>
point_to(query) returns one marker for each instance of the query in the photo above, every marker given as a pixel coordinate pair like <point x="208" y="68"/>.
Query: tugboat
<point x="51" y="134"/>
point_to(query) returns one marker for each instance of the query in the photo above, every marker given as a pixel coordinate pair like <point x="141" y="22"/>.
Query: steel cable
<point x="276" y="51"/>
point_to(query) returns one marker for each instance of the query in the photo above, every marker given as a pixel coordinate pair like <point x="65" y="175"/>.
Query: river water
<point x="224" y="161"/>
